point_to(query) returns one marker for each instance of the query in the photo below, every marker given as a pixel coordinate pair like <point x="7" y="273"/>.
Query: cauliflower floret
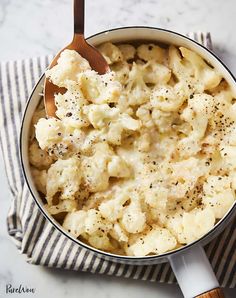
<point x="167" y="98"/>
<point x="69" y="65"/>
<point x="128" y="51"/>
<point x="113" y="209"/>
<point x="123" y="105"/>
<point x="99" y="115"/>
<point x="163" y="120"/>
<point x="200" y="108"/>
<point x="157" y="241"/>
<point x="156" y="196"/>
<point x="79" y="222"/>
<point x="144" y="142"/>
<point x="99" y="89"/>
<point x="70" y="107"/>
<point x="114" y="133"/>
<point x="101" y="241"/>
<point x="121" y="70"/>
<point x="188" y="146"/>
<point x="116" y="128"/>
<point x="64" y="177"/>
<point x="128" y="122"/>
<point x="74" y="222"/>
<point x="133" y="220"/>
<point x="202" y="70"/>
<point x="118" y="233"/>
<point x="155" y="73"/>
<point x="173" y="221"/>
<point x="48" y="132"/>
<point x="144" y="114"/>
<point x="58" y="137"/>
<point x="110" y="52"/>
<point x="185" y="175"/>
<point x="87" y="143"/>
<point x="191" y="168"/>
<point x="40" y="179"/>
<point x="117" y="167"/>
<point x="149" y="52"/>
<point x="216" y="184"/>
<point x="197" y="223"/>
<point x="91" y="226"/>
<point x="38" y="157"/>
<point x="190" y="226"/>
<point x="183" y="71"/>
<point x="218" y="195"/>
<point x="220" y="203"/>
<point x="137" y="91"/>
<point x="94" y="171"/>
<point x="95" y="221"/>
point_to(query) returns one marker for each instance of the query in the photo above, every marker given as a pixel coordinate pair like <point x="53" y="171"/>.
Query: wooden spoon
<point x="79" y="44"/>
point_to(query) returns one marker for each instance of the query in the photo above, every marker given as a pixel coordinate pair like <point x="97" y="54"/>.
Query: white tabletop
<point x="38" y="27"/>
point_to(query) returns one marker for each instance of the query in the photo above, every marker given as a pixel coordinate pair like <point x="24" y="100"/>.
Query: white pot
<point x="189" y="263"/>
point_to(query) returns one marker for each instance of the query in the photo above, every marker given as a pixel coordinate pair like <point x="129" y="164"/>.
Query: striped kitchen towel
<point x="36" y="237"/>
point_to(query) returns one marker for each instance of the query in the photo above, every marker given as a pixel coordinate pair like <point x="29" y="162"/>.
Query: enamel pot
<point x="189" y="263"/>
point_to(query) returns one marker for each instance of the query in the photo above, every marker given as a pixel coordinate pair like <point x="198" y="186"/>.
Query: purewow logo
<point x="21" y="289"/>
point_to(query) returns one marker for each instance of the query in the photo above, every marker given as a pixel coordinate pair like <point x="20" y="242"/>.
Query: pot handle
<point x="215" y="293"/>
<point x="194" y="274"/>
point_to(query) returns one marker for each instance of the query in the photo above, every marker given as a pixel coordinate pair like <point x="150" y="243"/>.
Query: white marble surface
<point x="37" y="27"/>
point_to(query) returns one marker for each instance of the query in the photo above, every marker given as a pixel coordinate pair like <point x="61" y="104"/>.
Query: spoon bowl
<point x="80" y="45"/>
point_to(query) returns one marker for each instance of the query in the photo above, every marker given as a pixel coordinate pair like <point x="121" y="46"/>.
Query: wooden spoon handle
<point x="79" y="17"/>
<point x="215" y="293"/>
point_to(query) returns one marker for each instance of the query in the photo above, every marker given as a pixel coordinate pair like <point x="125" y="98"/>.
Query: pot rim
<point x="215" y="230"/>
